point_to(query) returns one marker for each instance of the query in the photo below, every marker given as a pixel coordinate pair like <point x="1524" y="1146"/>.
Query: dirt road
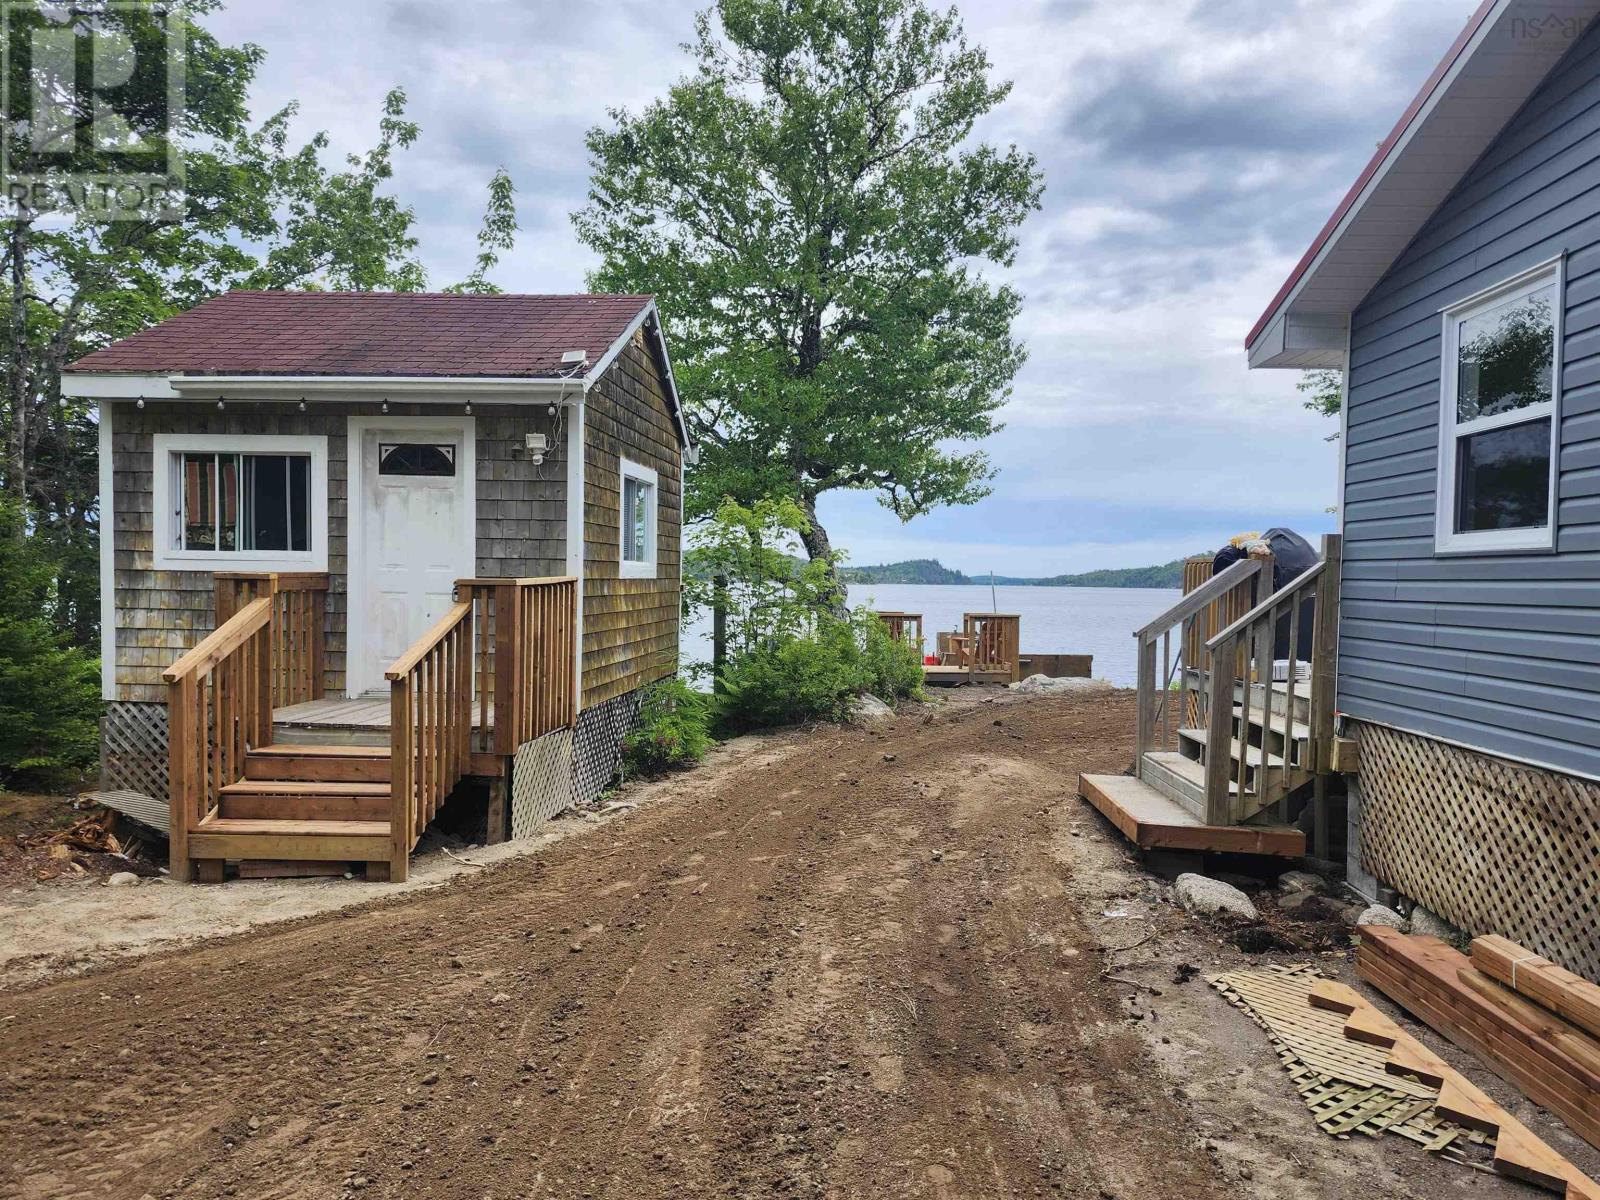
<point x="857" y="966"/>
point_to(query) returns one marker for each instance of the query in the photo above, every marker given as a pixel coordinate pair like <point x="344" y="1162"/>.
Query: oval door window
<point x="416" y="458"/>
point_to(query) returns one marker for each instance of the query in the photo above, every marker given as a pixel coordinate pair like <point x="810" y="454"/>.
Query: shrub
<point x="673" y="730"/>
<point x="894" y="669"/>
<point x="49" y="689"/>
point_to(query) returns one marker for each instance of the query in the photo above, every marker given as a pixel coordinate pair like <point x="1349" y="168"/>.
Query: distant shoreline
<point x="929" y="572"/>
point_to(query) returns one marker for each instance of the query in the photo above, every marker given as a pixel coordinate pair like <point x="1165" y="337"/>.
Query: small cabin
<point x="367" y="554"/>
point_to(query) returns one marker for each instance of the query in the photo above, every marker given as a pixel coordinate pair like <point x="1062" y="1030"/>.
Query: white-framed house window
<point x="1500" y="419"/>
<point x="240" y="502"/>
<point x="638" y="532"/>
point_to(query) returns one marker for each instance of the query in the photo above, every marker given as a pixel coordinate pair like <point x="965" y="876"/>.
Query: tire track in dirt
<point x="825" y="974"/>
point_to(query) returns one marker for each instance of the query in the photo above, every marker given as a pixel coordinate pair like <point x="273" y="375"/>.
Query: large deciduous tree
<point x="813" y="211"/>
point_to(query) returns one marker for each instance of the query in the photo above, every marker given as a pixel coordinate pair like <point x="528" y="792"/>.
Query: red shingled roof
<point x="374" y="333"/>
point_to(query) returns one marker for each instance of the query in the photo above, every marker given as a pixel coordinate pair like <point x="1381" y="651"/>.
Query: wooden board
<point x="1556" y="988"/>
<point x="1518" y="1153"/>
<point x="1152" y="821"/>
<point x="1553" y="1063"/>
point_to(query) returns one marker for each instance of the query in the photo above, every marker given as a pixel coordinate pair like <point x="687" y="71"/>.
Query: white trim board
<point x="648" y="568"/>
<point x="355" y="552"/>
<point x="166" y="557"/>
<point x="577" y="506"/>
<point x="1446" y="540"/>
<point x="108" y="557"/>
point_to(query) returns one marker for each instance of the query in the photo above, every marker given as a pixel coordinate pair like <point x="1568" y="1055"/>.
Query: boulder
<point x="1209" y="897"/>
<point x="1430" y="924"/>
<point x="1299" y="881"/>
<point x="869" y="710"/>
<point x="1044" y="683"/>
<point x="123" y="879"/>
<point x="1377" y="914"/>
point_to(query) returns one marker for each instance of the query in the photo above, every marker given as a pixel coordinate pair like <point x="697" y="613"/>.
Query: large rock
<point x="1209" y="897"/>
<point x="1430" y="924"/>
<point x="1299" y="881"/>
<point x="1377" y="914"/>
<point x="869" y="710"/>
<point x="123" y="879"/>
<point x="1044" y="683"/>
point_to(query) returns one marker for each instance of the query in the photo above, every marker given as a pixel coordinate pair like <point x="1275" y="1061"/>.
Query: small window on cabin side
<point x="638" y="521"/>
<point x="244" y="503"/>
<point x="1498" y="421"/>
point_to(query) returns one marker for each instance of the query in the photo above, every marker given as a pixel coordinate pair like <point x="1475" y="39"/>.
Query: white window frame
<point x="628" y="569"/>
<point x="1496" y="541"/>
<point x="168" y="552"/>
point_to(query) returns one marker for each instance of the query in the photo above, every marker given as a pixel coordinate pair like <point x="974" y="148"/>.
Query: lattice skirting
<point x="541" y="781"/>
<point x="1490" y="845"/>
<point x="133" y="749"/>
<point x="597" y="743"/>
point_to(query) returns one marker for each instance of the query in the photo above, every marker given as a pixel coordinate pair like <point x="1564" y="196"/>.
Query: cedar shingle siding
<point x="630" y="625"/>
<point x="521" y="527"/>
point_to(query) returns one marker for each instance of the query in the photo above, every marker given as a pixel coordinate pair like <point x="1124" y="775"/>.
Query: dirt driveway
<point x="866" y="964"/>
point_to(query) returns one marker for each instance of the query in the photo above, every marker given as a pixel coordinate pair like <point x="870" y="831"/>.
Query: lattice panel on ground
<point x="1490" y="845"/>
<point x="133" y="752"/>
<point x="541" y="781"/>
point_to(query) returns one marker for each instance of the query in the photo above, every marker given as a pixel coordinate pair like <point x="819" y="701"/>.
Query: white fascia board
<point x="1299" y="342"/>
<point x="650" y="314"/>
<point x="316" y="388"/>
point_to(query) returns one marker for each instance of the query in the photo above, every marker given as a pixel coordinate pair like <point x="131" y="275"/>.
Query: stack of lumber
<point x="1549" y="1058"/>
<point x="1540" y="980"/>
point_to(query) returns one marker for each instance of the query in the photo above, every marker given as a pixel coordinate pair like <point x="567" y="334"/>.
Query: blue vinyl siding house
<point x="1458" y="289"/>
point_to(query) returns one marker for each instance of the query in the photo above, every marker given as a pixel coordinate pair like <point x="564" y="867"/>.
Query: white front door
<point x="416" y="536"/>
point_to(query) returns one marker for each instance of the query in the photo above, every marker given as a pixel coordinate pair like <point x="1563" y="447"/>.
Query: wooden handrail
<point x="430" y="729"/>
<point x="219" y="708"/>
<point x="525" y="654"/>
<point x="300" y="603"/>
<point x="1260" y="610"/>
<point x="1213" y="589"/>
<point x="403" y="665"/>
<point x="220" y="643"/>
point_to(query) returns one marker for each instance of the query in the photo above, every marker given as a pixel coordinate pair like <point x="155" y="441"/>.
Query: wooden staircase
<point x="1230" y="737"/>
<point x="494" y="672"/>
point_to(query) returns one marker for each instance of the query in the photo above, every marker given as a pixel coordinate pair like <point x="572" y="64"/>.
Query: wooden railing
<point x="525" y="647"/>
<point x="430" y="729"/>
<point x="1169" y="665"/>
<point x="903" y="627"/>
<point x="300" y="606"/>
<point x="1242" y="779"/>
<point x="219" y="706"/>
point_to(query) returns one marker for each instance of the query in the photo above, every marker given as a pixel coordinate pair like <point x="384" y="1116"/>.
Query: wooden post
<point x="497" y="818"/>
<point x="180" y="773"/>
<point x="507" y="667"/>
<point x="1324" y="654"/>
<point x="401" y="752"/>
<point x="1219" y="735"/>
<point x="1146" y="699"/>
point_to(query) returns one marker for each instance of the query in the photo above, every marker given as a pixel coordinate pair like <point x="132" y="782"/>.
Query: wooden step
<point x="297" y="800"/>
<point x="1180" y="778"/>
<point x="319" y="764"/>
<point x="323" y="841"/>
<point x="1192" y="744"/>
<point x="1153" y="821"/>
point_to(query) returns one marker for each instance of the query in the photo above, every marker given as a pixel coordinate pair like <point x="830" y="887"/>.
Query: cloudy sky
<point x="1192" y="148"/>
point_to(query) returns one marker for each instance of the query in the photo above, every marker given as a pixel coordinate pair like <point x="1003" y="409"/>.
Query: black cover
<point x="1292" y="556"/>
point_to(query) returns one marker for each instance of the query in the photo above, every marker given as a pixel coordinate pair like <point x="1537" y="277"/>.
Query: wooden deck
<point x="948" y="676"/>
<point x="1151" y="821"/>
<point x="347" y="721"/>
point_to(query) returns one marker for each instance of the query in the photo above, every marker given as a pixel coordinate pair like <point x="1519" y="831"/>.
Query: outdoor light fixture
<point x="139" y="403"/>
<point x="302" y="404"/>
<point x="220" y="404"/>
<point x="384" y="407"/>
<point x="468" y="409"/>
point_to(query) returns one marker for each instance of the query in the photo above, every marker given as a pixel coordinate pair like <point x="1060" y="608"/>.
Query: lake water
<point x="1055" y="620"/>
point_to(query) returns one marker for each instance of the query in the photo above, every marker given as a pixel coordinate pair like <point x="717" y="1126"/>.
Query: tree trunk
<point x="719" y="632"/>
<point x="17" y="371"/>
<point x="819" y="548"/>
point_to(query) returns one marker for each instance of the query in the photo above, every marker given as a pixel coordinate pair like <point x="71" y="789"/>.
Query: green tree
<point x="49" y="689"/>
<point x="1323" y="391"/>
<point x="810" y="208"/>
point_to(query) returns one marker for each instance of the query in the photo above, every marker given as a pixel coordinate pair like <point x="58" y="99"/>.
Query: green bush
<point x="673" y="730"/>
<point x="49" y="688"/>
<point x="817" y="677"/>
